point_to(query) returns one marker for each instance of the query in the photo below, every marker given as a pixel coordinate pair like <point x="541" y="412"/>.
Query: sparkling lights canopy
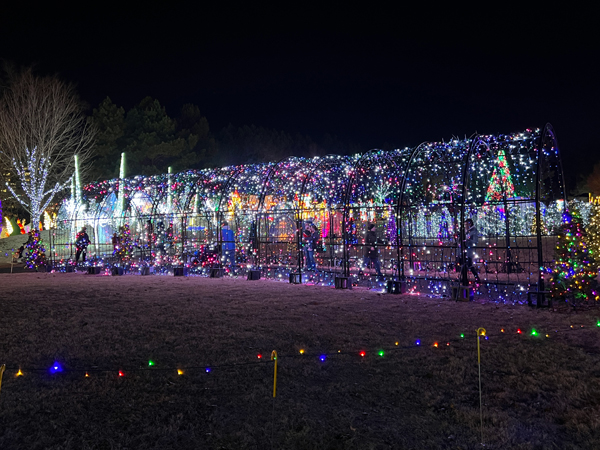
<point x="511" y="186"/>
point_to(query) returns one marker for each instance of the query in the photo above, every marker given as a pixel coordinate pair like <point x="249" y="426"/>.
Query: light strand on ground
<point x="58" y="367"/>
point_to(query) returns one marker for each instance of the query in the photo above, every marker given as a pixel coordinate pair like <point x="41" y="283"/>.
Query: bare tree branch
<point x="42" y="128"/>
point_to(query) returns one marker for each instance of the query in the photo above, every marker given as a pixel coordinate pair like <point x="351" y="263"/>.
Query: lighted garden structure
<point x="510" y="185"/>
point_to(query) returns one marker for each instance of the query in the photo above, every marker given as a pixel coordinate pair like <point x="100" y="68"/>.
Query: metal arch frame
<point x="218" y="213"/>
<point x="345" y="211"/>
<point x="549" y="130"/>
<point x="542" y="141"/>
<point x="199" y="176"/>
<point x="473" y="142"/>
<point x="263" y="192"/>
<point x="296" y="207"/>
<point x="399" y="208"/>
<point x="225" y="188"/>
<point x="368" y="156"/>
<point x="263" y="195"/>
<point x="321" y="161"/>
<point x="432" y="147"/>
<point x="182" y="211"/>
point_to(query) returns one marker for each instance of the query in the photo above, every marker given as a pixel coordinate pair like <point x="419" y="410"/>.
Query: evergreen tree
<point x="35" y="253"/>
<point x="192" y="123"/>
<point x="109" y="120"/>
<point x="574" y="270"/>
<point x="152" y="140"/>
<point x="152" y="144"/>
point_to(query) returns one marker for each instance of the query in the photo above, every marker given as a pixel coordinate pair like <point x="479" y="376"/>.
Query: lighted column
<point x="121" y="193"/>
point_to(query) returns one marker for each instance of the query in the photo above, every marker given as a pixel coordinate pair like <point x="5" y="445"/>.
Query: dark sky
<point x="396" y="76"/>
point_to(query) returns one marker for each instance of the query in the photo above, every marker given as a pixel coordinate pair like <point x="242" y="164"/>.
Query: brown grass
<point x="538" y="392"/>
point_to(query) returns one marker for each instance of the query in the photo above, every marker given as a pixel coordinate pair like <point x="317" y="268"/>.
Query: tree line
<point x="154" y="141"/>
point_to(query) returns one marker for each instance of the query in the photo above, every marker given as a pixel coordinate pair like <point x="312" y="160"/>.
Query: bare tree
<point x="42" y="128"/>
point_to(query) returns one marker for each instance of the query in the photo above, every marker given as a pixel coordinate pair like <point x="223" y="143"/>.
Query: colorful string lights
<point x="57" y="367"/>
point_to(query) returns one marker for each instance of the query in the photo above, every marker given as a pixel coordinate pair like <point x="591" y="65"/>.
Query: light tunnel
<point x="511" y="186"/>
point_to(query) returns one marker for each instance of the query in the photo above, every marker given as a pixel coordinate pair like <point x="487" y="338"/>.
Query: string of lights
<point x="59" y="367"/>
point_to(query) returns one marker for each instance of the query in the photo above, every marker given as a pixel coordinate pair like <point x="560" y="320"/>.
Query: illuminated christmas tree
<point x="125" y="249"/>
<point x="35" y="253"/>
<point x="501" y="183"/>
<point x="574" y="272"/>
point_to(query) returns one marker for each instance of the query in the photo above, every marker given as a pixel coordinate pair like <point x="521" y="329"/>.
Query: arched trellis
<point x="399" y="236"/>
<point x="281" y="179"/>
<point x="419" y="199"/>
<point x="547" y="187"/>
<point x="357" y="186"/>
<point x="322" y="172"/>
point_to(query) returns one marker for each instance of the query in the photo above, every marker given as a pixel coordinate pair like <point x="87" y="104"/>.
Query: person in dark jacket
<point x="228" y="246"/>
<point x="81" y="242"/>
<point x="309" y="237"/>
<point x="371" y="254"/>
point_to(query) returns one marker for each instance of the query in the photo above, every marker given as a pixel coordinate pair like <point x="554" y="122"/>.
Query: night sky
<point x="377" y="77"/>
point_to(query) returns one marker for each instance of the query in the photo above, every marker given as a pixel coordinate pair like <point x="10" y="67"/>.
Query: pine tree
<point x="35" y="256"/>
<point x="574" y="271"/>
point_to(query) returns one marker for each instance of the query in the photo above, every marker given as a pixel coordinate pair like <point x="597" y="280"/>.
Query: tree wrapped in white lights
<point x="42" y="129"/>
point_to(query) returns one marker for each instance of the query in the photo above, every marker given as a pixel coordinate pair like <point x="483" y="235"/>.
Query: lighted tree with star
<point x="575" y="271"/>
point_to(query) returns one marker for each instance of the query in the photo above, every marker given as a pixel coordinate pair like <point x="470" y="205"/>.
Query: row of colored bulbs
<point x="57" y="367"/>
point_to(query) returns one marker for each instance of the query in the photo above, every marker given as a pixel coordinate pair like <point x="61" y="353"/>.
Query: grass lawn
<point x="538" y="392"/>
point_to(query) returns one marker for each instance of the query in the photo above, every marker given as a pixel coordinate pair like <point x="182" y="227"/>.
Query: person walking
<point x="309" y="238"/>
<point x="371" y="254"/>
<point x="81" y="242"/>
<point x="228" y="245"/>
<point x="471" y="238"/>
<point x="116" y="243"/>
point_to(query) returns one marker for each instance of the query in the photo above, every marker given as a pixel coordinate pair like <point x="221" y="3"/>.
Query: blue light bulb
<point x="56" y="367"/>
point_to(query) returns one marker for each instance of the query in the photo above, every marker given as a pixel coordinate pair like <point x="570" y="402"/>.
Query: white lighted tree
<point x="42" y="128"/>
